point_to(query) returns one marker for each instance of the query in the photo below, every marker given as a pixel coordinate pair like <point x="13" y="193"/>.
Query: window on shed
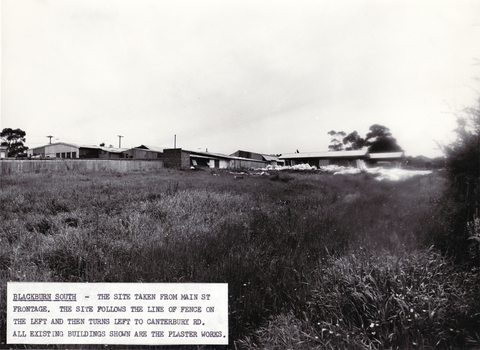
<point x="69" y="155"/>
<point x="57" y="155"/>
<point x="63" y="154"/>
<point x="74" y="154"/>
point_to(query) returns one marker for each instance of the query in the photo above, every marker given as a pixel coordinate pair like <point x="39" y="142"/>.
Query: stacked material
<point x="393" y="174"/>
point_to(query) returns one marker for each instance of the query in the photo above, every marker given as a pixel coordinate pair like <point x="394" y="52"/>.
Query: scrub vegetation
<point x="312" y="260"/>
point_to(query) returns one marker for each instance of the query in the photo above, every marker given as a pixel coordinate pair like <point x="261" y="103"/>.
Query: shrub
<point x="463" y="155"/>
<point x="463" y="165"/>
<point x="284" y="177"/>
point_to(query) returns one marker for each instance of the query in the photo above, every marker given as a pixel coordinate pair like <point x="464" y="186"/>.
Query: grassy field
<point x="312" y="260"/>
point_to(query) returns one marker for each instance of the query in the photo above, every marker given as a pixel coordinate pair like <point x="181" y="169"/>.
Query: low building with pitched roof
<point x="355" y="158"/>
<point x="182" y="159"/>
<point x="74" y="151"/>
<point x="318" y="159"/>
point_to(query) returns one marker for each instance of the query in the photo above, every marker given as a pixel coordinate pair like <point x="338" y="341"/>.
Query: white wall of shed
<point x="224" y="164"/>
<point x="52" y="150"/>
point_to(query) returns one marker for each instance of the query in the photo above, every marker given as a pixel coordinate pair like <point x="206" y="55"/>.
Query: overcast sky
<point x="262" y="76"/>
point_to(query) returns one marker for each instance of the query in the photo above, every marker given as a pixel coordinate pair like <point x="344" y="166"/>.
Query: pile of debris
<point x="392" y="174"/>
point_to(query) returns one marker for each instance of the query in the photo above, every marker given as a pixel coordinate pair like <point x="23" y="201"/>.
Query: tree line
<point x="379" y="139"/>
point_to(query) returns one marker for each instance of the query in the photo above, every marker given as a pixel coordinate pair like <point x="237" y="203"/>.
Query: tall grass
<point x="303" y="254"/>
<point x="381" y="301"/>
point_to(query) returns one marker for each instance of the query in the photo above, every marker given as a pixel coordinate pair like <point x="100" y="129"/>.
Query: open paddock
<point x="310" y="258"/>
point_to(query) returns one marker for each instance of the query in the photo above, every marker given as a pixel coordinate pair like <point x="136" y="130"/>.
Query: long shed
<point x="269" y="158"/>
<point x="74" y="151"/>
<point x="180" y="158"/>
<point x="387" y="158"/>
<point x="343" y="158"/>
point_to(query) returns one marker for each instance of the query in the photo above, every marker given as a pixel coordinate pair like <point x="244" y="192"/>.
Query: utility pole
<point x="175" y="141"/>
<point x="119" y="141"/>
<point x="50" y="137"/>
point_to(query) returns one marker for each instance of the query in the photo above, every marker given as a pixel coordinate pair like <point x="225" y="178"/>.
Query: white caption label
<point x="117" y="313"/>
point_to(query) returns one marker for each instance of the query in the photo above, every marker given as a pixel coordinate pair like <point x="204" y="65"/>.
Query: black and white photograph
<point x="239" y="174"/>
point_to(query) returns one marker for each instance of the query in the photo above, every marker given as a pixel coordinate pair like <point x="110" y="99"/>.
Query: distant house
<point x="3" y="152"/>
<point x="270" y="159"/>
<point x="180" y="158"/>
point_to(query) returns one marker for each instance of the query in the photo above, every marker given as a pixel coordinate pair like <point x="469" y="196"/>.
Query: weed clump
<point x="278" y="176"/>
<point x="43" y="226"/>
<point x="362" y="301"/>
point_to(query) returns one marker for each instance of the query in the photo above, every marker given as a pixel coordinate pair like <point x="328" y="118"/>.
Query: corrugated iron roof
<point x="218" y="155"/>
<point x="35" y="148"/>
<point x="113" y="149"/>
<point x="109" y="149"/>
<point x="332" y="154"/>
<point x="59" y="143"/>
<point x="208" y="154"/>
<point x="269" y="158"/>
<point x="88" y="146"/>
<point x="199" y="156"/>
<point x="69" y="144"/>
<point x="151" y="148"/>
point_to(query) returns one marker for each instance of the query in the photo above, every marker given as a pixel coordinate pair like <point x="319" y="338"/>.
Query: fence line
<point x="13" y="166"/>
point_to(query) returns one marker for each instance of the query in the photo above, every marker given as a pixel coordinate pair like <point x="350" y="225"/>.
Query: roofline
<point x="142" y="149"/>
<point x="386" y="155"/>
<point x="56" y="143"/>
<point x="341" y="154"/>
<point x="150" y="148"/>
<point x="112" y="149"/>
<point x="260" y="154"/>
<point x="217" y="155"/>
